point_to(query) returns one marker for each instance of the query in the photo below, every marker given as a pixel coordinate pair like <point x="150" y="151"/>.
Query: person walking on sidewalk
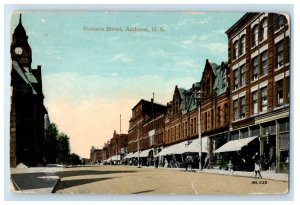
<point x="230" y="166"/>
<point x="257" y="169"/>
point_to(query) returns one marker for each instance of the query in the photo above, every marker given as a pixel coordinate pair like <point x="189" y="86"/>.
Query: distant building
<point x="118" y="146"/>
<point x="85" y="161"/>
<point x="146" y="128"/>
<point x="95" y="155"/>
<point x="27" y="107"/>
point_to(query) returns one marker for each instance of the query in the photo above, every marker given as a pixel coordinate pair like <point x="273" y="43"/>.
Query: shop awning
<point x="134" y="155"/>
<point x="116" y="158"/>
<point x="108" y="159"/>
<point x="235" y="145"/>
<point x="128" y="156"/>
<point x="195" y="146"/>
<point x="145" y="153"/>
<point x="173" y="149"/>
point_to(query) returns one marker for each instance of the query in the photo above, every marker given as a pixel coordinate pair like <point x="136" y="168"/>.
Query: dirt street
<point x="133" y="180"/>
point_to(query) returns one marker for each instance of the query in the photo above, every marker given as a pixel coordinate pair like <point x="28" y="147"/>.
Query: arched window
<point x="255" y="36"/>
<point x="280" y="20"/>
<point x="235" y="49"/>
<point x="243" y="45"/>
<point x="264" y="29"/>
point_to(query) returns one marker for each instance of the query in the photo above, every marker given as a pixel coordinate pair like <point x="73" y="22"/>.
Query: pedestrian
<point x="156" y="162"/>
<point x="257" y="168"/>
<point x="230" y="166"/>
<point x="166" y="163"/>
<point x="206" y="162"/>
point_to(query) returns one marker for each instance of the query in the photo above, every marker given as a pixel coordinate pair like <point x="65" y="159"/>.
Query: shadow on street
<point x="77" y="182"/>
<point x="73" y="173"/>
<point x="38" y="180"/>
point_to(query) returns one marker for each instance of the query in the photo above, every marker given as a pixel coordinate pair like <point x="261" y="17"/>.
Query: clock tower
<point x="20" y="49"/>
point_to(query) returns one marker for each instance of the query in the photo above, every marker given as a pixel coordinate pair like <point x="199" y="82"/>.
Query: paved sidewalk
<point x="265" y="174"/>
<point x="40" y="180"/>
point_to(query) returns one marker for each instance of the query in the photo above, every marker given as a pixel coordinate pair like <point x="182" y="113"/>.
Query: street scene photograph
<point x="149" y="103"/>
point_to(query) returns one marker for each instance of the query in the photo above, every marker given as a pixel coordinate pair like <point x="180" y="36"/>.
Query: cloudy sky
<point x="91" y="77"/>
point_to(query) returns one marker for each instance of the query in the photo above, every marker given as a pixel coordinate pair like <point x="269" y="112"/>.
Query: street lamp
<point x="139" y="166"/>
<point x="198" y="93"/>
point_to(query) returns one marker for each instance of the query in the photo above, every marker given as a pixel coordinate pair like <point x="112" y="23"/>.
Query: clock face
<point x="18" y="50"/>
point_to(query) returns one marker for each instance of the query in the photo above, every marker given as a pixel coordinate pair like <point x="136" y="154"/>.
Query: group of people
<point x="257" y="168"/>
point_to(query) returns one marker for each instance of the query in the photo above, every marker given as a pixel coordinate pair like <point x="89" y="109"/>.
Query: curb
<point x="54" y="189"/>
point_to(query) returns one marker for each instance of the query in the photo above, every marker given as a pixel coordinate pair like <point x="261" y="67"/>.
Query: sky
<point x="91" y="76"/>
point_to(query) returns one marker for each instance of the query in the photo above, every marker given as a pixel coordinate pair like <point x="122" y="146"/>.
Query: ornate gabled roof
<point x="188" y="103"/>
<point x="221" y="73"/>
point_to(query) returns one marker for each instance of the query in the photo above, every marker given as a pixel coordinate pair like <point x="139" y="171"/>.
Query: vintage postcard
<point x="159" y="103"/>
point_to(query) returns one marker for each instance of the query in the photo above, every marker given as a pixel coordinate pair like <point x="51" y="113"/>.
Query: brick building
<point x="259" y="46"/>
<point x="95" y="155"/>
<point x="28" y="112"/>
<point x="146" y="128"/>
<point x="182" y="117"/>
<point x="103" y="153"/>
<point x="117" y="147"/>
<point x="215" y="105"/>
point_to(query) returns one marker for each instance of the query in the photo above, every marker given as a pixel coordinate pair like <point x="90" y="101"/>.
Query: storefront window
<point x="284" y="141"/>
<point x="254" y="131"/>
<point x="234" y="136"/>
<point x="244" y="133"/>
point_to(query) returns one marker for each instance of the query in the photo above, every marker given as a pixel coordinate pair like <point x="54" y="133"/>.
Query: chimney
<point x="152" y="105"/>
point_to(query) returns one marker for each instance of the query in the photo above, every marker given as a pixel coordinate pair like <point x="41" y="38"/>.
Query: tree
<point x="75" y="159"/>
<point x="63" y="153"/>
<point x="51" y="144"/>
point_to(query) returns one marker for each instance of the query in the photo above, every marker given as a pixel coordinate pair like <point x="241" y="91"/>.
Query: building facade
<point x="146" y="128"/>
<point x="118" y="146"/>
<point x="28" y="112"/>
<point x="215" y="106"/>
<point x="259" y="63"/>
<point x="182" y="117"/>
<point x="244" y="103"/>
<point x="95" y="155"/>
